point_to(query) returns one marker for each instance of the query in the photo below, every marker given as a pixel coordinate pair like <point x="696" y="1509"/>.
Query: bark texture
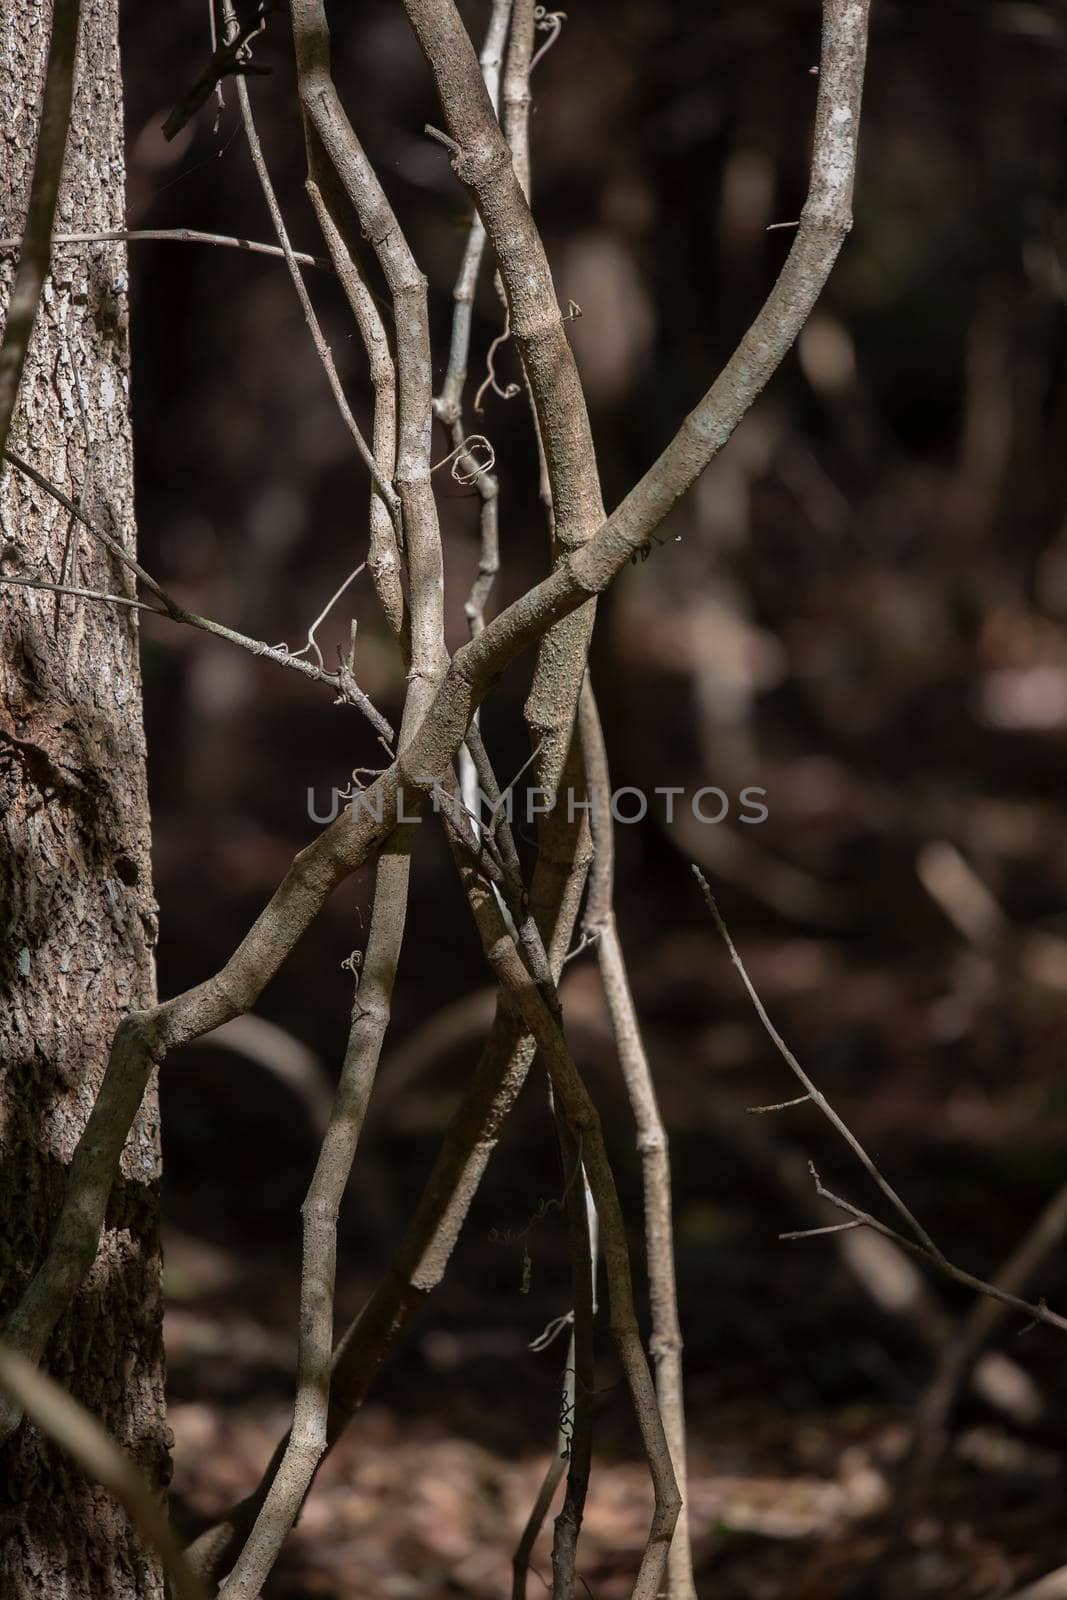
<point x="76" y="906"/>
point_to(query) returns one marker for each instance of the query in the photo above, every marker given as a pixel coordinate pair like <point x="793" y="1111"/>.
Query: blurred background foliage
<point x="861" y="611"/>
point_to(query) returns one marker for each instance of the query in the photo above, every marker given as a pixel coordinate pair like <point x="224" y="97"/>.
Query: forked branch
<point x="920" y="1243"/>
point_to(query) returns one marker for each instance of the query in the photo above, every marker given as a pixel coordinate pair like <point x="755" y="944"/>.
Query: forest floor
<point x="428" y="1491"/>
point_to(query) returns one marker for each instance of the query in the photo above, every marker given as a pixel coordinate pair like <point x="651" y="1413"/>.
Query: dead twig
<point x="816" y="1095"/>
<point x="175" y="236"/>
<point x="322" y="349"/>
<point x="921" y="1244"/>
<point x="1034" y="1312"/>
<point x="340" y="229"/>
<point x="960" y="1357"/>
<point x="884" y="1273"/>
<point x="326" y="116"/>
<point x="348" y="692"/>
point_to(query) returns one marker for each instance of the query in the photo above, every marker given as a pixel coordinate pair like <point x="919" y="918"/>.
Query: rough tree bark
<point x="76" y="903"/>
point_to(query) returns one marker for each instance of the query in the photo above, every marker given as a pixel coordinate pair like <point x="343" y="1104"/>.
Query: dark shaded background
<point x="863" y="615"/>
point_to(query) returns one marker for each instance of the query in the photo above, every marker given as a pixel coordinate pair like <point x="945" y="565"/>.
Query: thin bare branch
<point x="417" y="1268"/>
<point x="576" y="1420"/>
<point x="780" y="1105"/>
<point x="83" y="594"/>
<point x="347" y="690"/>
<point x="322" y="349"/>
<point x="583" y="1226"/>
<point x="516" y="97"/>
<point x="483" y="163"/>
<point x="307" y="1440"/>
<point x="816" y="1095"/>
<point x="1036" y="1312"/>
<point x="448" y="406"/>
<point x="326" y="115"/>
<point x="581" y="1212"/>
<point x="229" y="58"/>
<point x="515" y="120"/>
<point x="580" y="1208"/>
<point x="557" y="1466"/>
<point x="959" y="1357"/>
<point x="105" y="538"/>
<point x="225" y="241"/>
<point x="815" y="1233"/>
<point x="824" y="225"/>
<point x="566" y="1442"/>
<point x="600" y="925"/>
<point x="35" y="245"/>
<point x="421" y="1260"/>
<point x="574" y="1432"/>
<point x="884" y="1273"/>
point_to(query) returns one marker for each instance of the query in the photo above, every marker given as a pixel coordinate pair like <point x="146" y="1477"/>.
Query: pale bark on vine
<point x="554" y="618"/>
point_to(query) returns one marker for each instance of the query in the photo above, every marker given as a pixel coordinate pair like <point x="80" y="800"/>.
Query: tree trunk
<point x="76" y="904"/>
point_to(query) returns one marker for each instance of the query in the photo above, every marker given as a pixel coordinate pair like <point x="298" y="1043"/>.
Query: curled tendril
<point x="550" y="22"/>
<point x="467" y="447"/>
<point x="356" y="784"/>
<point x="490" y="381"/>
<point x="294" y="655"/>
<point x="566" y="1421"/>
